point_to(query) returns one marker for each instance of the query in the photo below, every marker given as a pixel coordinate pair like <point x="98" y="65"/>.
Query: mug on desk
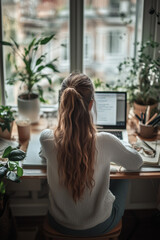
<point x="147" y="131"/>
<point x="23" y="127"/>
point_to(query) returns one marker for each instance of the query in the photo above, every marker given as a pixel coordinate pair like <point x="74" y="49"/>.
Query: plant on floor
<point x="141" y="76"/>
<point x="10" y="169"/>
<point x="6" y="117"/>
<point x="30" y="70"/>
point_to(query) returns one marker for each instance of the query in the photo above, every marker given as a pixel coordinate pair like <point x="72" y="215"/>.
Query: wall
<point x="30" y="197"/>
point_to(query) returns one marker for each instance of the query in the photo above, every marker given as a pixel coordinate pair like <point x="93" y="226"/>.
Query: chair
<point x="50" y="234"/>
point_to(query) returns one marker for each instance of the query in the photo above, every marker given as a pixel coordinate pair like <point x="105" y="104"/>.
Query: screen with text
<point x="110" y="109"/>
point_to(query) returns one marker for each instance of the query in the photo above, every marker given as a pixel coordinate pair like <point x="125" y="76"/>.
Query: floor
<point x="137" y="225"/>
<point x="141" y="224"/>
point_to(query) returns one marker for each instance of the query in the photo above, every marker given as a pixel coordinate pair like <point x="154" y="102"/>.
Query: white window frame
<point x="150" y="28"/>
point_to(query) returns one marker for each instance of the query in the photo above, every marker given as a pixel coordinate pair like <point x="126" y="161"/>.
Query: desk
<point x="25" y="200"/>
<point x="41" y="173"/>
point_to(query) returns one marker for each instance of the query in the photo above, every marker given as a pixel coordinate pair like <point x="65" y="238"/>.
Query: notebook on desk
<point x="32" y="159"/>
<point x="109" y="113"/>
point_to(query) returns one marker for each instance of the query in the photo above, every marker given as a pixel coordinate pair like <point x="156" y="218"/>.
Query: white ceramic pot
<point x="29" y="108"/>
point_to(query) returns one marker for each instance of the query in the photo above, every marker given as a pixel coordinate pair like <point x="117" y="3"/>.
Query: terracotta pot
<point x="6" y="134"/>
<point x="147" y="131"/>
<point x="138" y="109"/>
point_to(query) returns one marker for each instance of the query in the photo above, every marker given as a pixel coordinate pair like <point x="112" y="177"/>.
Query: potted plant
<point x="6" y="121"/>
<point x="9" y="170"/>
<point x="141" y="77"/>
<point x="30" y="65"/>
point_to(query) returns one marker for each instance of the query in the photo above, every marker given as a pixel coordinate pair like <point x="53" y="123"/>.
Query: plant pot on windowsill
<point x="139" y="108"/>
<point x="6" y="133"/>
<point x="6" y="121"/>
<point x="29" y="106"/>
<point x="32" y="70"/>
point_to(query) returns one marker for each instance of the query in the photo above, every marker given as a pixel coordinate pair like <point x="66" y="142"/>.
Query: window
<point x="87" y="49"/>
<point x="114" y="42"/>
<point x="114" y="6"/>
<point x="113" y="26"/>
<point x="65" y="51"/>
<point x="24" y="19"/>
<point x="94" y="42"/>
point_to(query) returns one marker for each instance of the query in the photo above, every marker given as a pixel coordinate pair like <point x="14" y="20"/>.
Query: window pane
<point x="109" y="36"/>
<point x="24" y="19"/>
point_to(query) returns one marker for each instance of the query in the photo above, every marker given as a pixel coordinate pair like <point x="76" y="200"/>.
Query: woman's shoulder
<point x="46" y="134"/>
<point x="105" y="136"/>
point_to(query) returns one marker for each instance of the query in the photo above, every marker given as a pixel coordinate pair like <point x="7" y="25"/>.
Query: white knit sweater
<point x="95" y="207"/>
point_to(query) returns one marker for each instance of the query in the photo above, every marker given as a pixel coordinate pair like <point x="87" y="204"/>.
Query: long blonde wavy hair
<point x="75" y="135"/>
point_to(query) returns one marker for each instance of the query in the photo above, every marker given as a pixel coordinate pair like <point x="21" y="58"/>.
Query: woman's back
<point x="89" y="210"/>
<point x="78" y="164"/>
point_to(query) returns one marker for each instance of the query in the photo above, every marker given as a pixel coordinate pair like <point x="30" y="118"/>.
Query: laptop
<point x="109" y="113"/>
<point x="32" y="159"/>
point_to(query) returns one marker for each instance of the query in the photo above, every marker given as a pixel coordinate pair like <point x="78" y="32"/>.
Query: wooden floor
<point x="137" y="225"/>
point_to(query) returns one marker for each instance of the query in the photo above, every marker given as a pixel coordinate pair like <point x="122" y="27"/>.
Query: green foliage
<point x="98" y="83"/>
<point x="30" y="71"/>
<point x="2" y="188"/>
<point x="10" y="169"/>
<point x="6" y="117"/>
<point x="141" y="75"/>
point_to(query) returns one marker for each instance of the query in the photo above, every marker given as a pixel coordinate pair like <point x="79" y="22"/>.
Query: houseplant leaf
<point x="6" y="43"/>
<point x="19" y="171"/>
<point x="3" y="171"/>
<point x="16" y="155"/>
<point x="46" y="39"/>
<point x="7" y="152"/>
<point x="12" y="176"/>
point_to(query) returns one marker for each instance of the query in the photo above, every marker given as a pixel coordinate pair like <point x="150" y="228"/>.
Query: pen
<point x="153" y="117"/>
<point x="149" y="146"/>
<point x="155" y="120"/>
<point x="155" y="149"/>
<point x="144" y="117"/>
<point x="148" y="111"/>
<point x="158" y="119"/>
<point x="138" y="117"/>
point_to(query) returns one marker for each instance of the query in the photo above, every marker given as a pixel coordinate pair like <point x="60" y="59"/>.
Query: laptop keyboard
<point x="116" y="133"/>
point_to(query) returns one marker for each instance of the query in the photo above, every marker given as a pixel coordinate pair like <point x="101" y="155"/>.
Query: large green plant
<point x="6" y="117"/>
<point x="141" y="76"/>
<point x="10" y="169"/>
<point x="30" y="70"/>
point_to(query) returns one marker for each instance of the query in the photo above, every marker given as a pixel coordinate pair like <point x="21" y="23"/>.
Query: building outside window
<point x="113" y="42"/>
<point x="114" y="28"/>
<point x="22" y="20"/>
<point x="88" y="46"/>
<point x="110" y="29"/>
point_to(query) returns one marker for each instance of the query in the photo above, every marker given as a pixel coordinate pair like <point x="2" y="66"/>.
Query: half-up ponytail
<point x="75" y="136"/>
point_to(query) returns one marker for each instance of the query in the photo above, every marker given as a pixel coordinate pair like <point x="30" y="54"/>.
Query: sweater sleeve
<point x="122" y="153"/>
<point x="46" y="135"/>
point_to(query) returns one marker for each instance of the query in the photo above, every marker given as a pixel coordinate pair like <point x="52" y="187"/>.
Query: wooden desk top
<point x="41" y="173"/>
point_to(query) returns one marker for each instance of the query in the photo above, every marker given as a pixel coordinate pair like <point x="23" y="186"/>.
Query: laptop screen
<point x="110" y="110"/>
